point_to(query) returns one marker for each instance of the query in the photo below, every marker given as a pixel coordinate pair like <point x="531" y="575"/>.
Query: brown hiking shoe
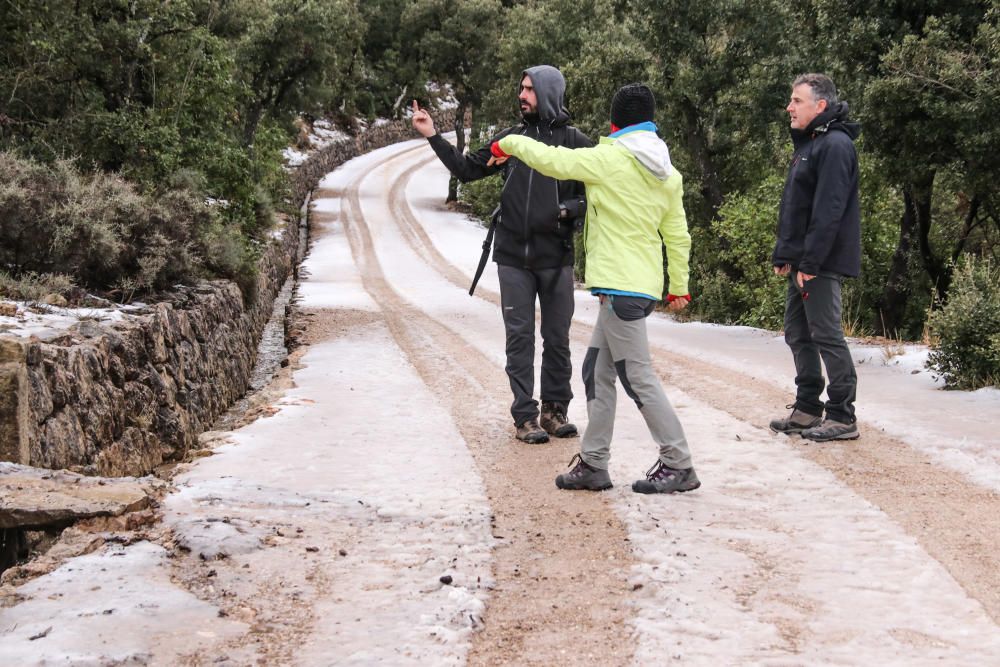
<point x="554" y="420"/>
<point x="796" y="422"/>
<point x="531" y="432"/>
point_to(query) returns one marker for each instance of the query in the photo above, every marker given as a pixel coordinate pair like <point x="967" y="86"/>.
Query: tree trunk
<point x="937" y="269"/>
<point x="891" y="306"/>
<point x="971" y="223"/>
<point x="254" y="114"/>
<point x="460" y="143"/>
<point x="711" y="185"/>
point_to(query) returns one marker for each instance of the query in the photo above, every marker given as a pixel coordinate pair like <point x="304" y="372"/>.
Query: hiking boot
<point x="832" y="430"/>
<point x="661" y="478"/>
<point x="584" y="477"/>
<point x="531" y="433"/>
<point x="796" y="422"/>
<point x="554" y="420"/>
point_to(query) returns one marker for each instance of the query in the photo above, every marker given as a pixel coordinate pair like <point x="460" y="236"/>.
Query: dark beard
<point x="530" y="117"/>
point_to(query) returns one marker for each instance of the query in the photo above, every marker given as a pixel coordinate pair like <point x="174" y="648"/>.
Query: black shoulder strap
<point x="494" y="219"/>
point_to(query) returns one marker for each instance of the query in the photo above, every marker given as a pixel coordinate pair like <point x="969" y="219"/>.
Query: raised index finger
<point x="416" y="107"/>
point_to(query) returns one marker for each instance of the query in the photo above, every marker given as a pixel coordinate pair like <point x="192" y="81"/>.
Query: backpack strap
<point x="494" y="219"/>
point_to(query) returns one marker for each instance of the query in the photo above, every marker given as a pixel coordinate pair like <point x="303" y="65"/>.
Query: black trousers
<point x="814" y="332"/>
<point x="553" y="289"/>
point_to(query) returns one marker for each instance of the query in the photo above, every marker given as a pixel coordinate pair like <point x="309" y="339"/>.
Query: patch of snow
<point x="397" y="488"/>
<point x="293" y="157"/>
<point x="324" y="134"/>
<point x="48" y="322"/>
<point x="116" y="606"/>
<point x="812" y="572"/>
<point x="444" y="94"/>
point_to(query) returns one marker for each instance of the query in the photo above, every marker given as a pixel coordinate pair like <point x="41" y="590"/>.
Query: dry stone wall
<point x="121" y="398"/>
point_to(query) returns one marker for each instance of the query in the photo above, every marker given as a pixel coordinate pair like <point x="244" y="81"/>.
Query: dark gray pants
<point x="554" y="291"/>
<point x="813" y="331"/>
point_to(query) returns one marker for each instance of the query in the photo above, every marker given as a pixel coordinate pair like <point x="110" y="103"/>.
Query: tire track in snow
<point x="954" y="520"/>
<point x="534" y="612"/>
<point x="421" y="243"/>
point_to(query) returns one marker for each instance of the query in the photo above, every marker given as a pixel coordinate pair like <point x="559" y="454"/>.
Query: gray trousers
<point x="813" y="331"/>
<point x="619" y="349"/>
<point x="554" y="291"/>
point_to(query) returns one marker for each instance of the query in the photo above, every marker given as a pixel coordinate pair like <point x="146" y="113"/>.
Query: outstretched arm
<point x="465" y="168"/>
<point x="565" y="164"/>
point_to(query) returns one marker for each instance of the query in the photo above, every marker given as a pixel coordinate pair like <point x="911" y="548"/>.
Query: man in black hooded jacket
<point x="819" y="244"/>
<point x="533" y="248"/>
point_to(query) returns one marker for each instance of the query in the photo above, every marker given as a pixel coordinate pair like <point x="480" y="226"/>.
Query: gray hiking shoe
<point x="832" y="430"/>
<point x="531" y="433"/>
<point x="584" y="477"/>
<point x="661" y="478"/>
<point x="796" y="422"/>
<point x="554" y="421"/>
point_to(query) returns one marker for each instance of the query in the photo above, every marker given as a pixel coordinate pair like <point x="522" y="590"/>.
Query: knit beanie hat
<point x="632" y="104"/>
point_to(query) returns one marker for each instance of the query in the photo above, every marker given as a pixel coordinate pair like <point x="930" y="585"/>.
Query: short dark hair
<point x="821" y="85"/>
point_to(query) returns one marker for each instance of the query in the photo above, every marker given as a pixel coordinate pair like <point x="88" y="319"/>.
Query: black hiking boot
<point x="584" y="477"/>
<point x="661" y="478"/>
<point x="554" y="420"/>
<point x="531" y="433"/>
<point x="796" y="422"/>
<point x="832" y="430"/>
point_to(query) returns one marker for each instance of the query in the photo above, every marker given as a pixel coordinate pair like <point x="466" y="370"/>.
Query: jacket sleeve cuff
<point x="496" y="151"/>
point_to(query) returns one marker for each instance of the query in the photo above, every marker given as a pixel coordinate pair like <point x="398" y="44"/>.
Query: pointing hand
<point x="422" y="121"/>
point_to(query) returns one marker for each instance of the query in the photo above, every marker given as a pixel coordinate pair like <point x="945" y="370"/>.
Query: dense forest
<point x="119" y="119"/>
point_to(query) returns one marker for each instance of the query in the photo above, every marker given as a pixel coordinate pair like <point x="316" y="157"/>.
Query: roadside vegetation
<point x="141" y="140"/>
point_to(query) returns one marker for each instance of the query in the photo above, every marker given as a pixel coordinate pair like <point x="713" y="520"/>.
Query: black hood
<point x="834" y="118"/>
<point x="550" y="89"/>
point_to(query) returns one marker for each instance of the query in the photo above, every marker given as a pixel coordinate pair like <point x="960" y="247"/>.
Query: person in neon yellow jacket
<point x="634" y="207"/>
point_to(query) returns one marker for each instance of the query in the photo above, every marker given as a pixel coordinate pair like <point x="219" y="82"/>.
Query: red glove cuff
<point x="673" y="297"/>
<point x="496" y="150"/>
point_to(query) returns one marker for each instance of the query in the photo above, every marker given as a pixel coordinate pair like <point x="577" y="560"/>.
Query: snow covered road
<point x="320" y="535"/>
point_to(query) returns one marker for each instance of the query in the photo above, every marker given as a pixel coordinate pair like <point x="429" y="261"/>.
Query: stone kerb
<point x="120" y="399"/>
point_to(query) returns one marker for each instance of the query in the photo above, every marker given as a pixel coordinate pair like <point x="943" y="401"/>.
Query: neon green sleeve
<point x="676" y="239"/>
<point x="565" y="164"/>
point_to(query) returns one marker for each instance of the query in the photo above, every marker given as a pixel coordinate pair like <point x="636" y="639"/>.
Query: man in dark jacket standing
<point x="533" y="249"/>
<point x="819" y="244"/>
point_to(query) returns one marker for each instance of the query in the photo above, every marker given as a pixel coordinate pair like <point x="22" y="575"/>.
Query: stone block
<point x="36" y="497"/>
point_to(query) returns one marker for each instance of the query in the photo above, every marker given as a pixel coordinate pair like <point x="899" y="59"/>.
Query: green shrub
<point x="967" y="328"/>
<point x="104" y="234"/>
<point x="34" y="287"/>
<point x="731" y="276"/>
